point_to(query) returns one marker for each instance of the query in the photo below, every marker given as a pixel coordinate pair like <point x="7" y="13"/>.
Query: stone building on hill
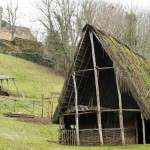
<point x="21" y="32"/>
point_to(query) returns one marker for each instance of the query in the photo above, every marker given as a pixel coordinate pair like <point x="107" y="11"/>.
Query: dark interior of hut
<point x="147" y="130"/>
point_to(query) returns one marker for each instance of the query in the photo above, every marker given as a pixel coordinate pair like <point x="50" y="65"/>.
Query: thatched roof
<point x="134" y="71"/>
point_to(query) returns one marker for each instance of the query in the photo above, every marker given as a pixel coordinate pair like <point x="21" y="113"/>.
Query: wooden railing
<point x="90" y="137"/>
<point x="67" y="137"/>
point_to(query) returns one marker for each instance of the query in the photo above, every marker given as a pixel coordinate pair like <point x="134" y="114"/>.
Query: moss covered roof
<point x="134" y="70"/>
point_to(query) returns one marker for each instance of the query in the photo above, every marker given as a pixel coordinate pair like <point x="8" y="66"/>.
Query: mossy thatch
<point x="134" y="71"/>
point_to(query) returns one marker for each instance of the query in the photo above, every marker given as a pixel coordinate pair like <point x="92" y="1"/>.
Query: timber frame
<point x="84" y="68"/>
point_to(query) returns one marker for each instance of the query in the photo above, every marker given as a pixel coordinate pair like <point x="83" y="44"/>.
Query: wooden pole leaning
<point x="76" y="107"/>
<point x="120" y="110"/>
<point x="16" y="87"/>
<point x="99" y="119"/>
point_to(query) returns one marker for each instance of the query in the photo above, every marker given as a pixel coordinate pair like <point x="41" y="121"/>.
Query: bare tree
<point x="12" y="16"/>
<point x="58" y="19"/>
<point x="143" y="29"/>
<point x="64" y="20"/>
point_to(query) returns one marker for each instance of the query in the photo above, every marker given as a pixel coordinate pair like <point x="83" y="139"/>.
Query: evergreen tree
<point x="130" y="35"/>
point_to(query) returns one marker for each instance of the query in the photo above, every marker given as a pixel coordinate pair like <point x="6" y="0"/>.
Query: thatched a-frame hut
<point x="106" y="97"/>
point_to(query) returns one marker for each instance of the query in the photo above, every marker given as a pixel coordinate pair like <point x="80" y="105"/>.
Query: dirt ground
<point x="37" y="120"/>
<point x="30" y="118"/>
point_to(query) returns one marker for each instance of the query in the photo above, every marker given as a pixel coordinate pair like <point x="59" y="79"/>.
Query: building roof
<point x="134" y="71"/>
<point x="5" y="77"/>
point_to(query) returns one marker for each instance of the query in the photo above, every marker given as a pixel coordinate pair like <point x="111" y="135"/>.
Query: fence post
<point x="14" y="105"/>
<point x="48" y="108"/>
<point x="52" y="108"/>
<point x="33" y="107"/>
<point x="42" y="105"/>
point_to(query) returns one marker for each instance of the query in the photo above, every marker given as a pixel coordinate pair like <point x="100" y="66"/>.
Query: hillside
<point x="31" y="79"/>
<point x="16" y="135"/>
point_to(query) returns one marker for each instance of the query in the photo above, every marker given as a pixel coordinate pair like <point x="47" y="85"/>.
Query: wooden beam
<point x="120" y="110"/>
<point x="109" y="110"/>
<point x="80" y="113"/>
<point x="97" y="91"/>
<point x="76" y="107"/>
<point x="79" y="69"/>
<point x="86" y="79"/>
<point x="143" y="129"/>
<point x="132" y="110"/>
<point x="84" y="70"/>
<point x="104" y="68"/>
<point x="82" y="76"/>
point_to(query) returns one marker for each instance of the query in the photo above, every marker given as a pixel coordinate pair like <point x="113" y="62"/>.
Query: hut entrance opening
<point x="147" y="129"/>
<point x="140" y="132"/>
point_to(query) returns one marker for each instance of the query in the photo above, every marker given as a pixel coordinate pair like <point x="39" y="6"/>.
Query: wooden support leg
<point x="143" y="129"/>
<point x="76" y="106"/>
<point x="99" y="120"/>
<point x="120" y="110"/>
<point x="16" y="87"/>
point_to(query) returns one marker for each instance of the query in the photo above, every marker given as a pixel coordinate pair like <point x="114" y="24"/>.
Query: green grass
<point x="34" y="80"/>
<point x="31" y="79"/>
<point x="19" y="135"/>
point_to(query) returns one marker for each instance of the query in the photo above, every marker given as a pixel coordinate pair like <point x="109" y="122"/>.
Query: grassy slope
<point x="32" y="79"/>
<point x="25" y="136"/>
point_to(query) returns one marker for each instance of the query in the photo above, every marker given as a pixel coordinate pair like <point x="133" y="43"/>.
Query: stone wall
<point x="21" y="32"/>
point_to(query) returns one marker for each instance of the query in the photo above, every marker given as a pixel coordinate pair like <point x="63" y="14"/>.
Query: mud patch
<point x="30" y="118"/>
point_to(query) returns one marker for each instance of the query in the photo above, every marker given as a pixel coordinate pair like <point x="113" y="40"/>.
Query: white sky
<point x="29" y="14"/>
<point x="143" y="4"/>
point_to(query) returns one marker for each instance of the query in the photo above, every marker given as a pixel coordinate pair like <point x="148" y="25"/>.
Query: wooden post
<point x="42" y="105"/>
<point x="48" y="108"/>
<point x="16" y="87"/>
<point x="52" y="108"/>
<point x="120" y="110"/>
<point x="33" y="107"/>
<point x="14" y="105"/>
<point x="143" y="129"/>
<point x="136" y="131"/>
<point x="76" y="106"/>
<point x="60" y="129"/>
<point x="7" y="84"/>
<point x="99" y="119"/>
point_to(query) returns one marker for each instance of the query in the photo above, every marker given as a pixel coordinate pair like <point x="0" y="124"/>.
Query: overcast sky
<point x="30" y="14"/>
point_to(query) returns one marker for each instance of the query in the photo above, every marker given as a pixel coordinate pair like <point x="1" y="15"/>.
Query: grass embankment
<point x="31" y="79"/>
<point x="17" y="135"/>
